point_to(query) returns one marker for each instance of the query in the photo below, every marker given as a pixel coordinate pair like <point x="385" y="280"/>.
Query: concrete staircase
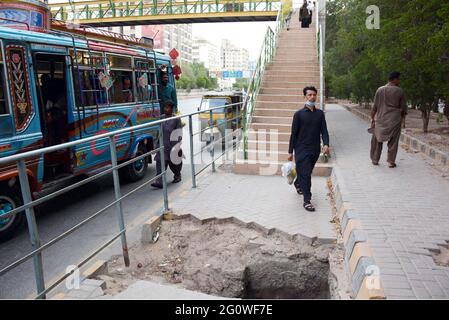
<point x="294" y="66"/>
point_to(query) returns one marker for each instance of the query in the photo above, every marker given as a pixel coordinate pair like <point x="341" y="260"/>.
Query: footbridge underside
<point x="109" y="13"/>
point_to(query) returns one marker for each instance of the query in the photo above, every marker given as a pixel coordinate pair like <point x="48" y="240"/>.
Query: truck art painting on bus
<point x="60" y="84"/>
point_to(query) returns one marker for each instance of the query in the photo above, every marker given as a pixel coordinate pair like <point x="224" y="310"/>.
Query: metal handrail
<point x="266" y="55"/>
<point x="30" y="204"/>
<point x="101" y="9"/>
<point x="34" y="153"/>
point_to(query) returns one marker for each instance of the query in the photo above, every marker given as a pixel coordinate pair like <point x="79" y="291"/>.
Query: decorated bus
<point x="61" y="83"/>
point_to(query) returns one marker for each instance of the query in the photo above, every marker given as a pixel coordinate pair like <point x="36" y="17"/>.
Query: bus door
<point x="50" y="71"/>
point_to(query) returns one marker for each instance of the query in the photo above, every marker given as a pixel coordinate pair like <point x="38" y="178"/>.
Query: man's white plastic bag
<point x="289" y="171"/>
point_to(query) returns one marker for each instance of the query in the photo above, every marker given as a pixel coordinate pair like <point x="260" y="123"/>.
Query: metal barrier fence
<point x="30" y="204"/>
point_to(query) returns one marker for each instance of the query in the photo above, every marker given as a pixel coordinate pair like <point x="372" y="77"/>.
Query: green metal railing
<point x="267" y="53"/>
<point x="101" y="9"/>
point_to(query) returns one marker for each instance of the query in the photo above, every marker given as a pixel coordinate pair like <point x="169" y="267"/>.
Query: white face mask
<point x="310" y="104"/>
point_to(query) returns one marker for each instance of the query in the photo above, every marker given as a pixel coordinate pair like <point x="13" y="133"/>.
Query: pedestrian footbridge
<point x="108" y="13"/>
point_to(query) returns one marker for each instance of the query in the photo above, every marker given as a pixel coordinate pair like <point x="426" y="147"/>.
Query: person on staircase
<point x="308" y="127"/>
<point x="304" y="15"/>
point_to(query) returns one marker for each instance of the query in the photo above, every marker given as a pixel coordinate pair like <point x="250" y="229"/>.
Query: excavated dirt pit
<point x="227" y="258"/>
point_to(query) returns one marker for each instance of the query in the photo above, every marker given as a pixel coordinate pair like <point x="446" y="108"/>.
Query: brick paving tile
<point x="402" y="221"/>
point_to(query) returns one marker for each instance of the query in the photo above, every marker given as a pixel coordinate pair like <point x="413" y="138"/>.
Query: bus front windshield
<point x="213" y="103"/>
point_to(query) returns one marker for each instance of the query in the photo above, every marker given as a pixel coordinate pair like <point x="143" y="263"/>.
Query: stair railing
<point x="266" y="55"/>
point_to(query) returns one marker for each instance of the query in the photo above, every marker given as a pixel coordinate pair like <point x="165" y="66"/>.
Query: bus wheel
<point x="137" y="170"/>
<point x="9" y="200"/>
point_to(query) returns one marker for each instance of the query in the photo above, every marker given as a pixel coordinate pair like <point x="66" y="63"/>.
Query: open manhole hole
<point x="229" y="259"/>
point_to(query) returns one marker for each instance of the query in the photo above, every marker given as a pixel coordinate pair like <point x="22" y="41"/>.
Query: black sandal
<point x="299" y="191"/>
<point x="309" y="207"/>
<point x="392" y="165"/>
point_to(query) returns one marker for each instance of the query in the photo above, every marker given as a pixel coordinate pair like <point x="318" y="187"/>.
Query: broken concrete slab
<point x="146" y="290"/>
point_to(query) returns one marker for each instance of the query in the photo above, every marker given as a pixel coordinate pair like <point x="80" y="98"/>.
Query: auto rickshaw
<point x="223" y="118"/>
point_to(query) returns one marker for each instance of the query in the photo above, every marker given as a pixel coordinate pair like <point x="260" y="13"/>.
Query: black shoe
<point x="299" y="191"/>
<point x="309" y="207"/>
<point x="157" y="185"/>
<point x="177" y="179"/>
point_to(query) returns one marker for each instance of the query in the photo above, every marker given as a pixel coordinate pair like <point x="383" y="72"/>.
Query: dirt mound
<point x="228" y="258"/>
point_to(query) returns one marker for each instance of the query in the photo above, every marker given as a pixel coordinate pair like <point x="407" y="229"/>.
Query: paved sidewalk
<point x="266" y="200"/>
<point x="146" y="290"/>
<point x="404" y="211"/>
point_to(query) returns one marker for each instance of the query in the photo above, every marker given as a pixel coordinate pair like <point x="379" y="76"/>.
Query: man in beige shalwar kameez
<point x="389" y="109"/>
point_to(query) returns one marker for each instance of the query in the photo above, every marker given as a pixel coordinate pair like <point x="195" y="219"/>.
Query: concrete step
<point x="303" y="48"/>
<point x="257" y="168"/>
<point x="298" y="60"/>
<point x="267" y="154"/>
<point x="265" y="112"/>
<point x="290" y="72"/>
<point x="267" y="146"/>
<point x="277" y="136"/>
<point x="285" y="53"/>
<point x="295" y="45"/>
<point x="299" y="37"/>
<point x="279" y="105"/>
<point x="294" y="54"/>
<point x="311" y="70"/>
<point x="281" y="98"/>
<point x="294" y="62"/>
<point x="298" y="85"/>
<point x="268" y="141"/>
<point x="289" y="78"/>
<point x="271" y="126"/>
<point x="299" y="97"/>
<point x="272" y="119"/>
<point x="298" y="74"/>
<point x="273" y="89"/>
<point x="295" y="38"/>
<point x="294" y="59"/>
<point x="296" y="29"/>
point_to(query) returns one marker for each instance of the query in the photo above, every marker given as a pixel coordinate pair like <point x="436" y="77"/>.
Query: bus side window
<point x="154" y="85"/>
<point x="122" y="77"/>
<point x="89" y="91"/>
<point x="145" y="80"/>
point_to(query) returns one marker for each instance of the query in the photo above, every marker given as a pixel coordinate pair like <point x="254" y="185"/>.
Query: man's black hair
<point x="309" y="88"/>
<point x="394" y="75"/>
<point x="169" y="103"/>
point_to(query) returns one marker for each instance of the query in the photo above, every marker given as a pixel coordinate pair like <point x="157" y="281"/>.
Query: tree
<point x="195" y="76"/>
<point x="413" y="39"/>
<point x="241" y="83"/>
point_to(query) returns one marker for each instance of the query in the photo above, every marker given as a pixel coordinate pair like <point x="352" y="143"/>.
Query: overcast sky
<point x="248" y="35"/>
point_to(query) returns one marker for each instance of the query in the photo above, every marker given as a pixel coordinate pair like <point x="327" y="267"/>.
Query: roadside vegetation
<point x="413" y="39"/>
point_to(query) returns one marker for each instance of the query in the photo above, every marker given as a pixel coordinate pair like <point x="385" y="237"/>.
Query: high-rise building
<point x="232" y="57"/>
<point x="166" y="37"/>
<point x="207" y="53"/>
